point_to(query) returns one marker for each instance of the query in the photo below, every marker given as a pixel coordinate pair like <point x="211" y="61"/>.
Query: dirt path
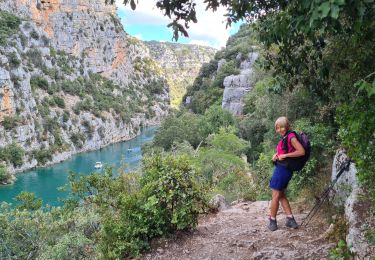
<point x="240" y="232"/>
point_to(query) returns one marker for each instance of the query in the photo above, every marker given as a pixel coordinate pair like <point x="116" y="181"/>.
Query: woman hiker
<point x="281" y="174"/>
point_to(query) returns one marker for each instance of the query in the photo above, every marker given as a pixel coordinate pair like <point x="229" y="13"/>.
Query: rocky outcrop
<point x="236" y="86"/>
<point x="181" y="64"/>
<point x="72" y="80"/>
<point x="347" y="194"/>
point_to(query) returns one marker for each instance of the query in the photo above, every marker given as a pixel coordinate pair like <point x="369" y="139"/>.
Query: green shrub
<point x="78" y="139"/>
<point x="34" y="34"/>
<point x="9" y="122"/>
<point x="35" y="57"/>
<point x="357" y="128"/>
<point x="42" y="156"/>
<point x="15" y="153"/>
<point x="39" y="82"/>
<point x="9" y="24"/>
<point x="4" y="174"/>
<point x="14" y="62"/>
<point x="59" y="101"/>
<point x="28" y="201"/>
<point x="236" y="185"/>
<point x="66" y="116"/>
<point x="341" y="251"/>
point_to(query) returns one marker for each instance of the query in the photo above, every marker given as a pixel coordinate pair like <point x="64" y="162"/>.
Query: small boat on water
<point x="98" y="165"/>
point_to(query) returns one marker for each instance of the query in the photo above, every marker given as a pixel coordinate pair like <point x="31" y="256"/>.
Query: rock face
<point x="181" y="63"/>
<point x="347" y="194"/>
<point x="236" y="86"/>
<point x="72" y="80"/>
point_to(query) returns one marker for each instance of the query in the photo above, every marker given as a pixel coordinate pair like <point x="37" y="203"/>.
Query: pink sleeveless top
<point x="280" y="145"/>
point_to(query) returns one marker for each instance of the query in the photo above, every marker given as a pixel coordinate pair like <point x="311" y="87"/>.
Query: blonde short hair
<point x="282" y="122"/>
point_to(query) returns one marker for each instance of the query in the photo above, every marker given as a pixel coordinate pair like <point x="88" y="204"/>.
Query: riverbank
<point x="45" y="181"/>
<point x="61" y="157"/>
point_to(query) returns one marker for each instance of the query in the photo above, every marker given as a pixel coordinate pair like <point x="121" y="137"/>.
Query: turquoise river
<point x="44" y="182"/>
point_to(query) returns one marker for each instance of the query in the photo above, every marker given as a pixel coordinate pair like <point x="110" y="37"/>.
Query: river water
<point x="44" y="182"/>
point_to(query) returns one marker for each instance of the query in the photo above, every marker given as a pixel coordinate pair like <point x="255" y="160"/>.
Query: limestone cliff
<point x="72" y="80"/>
<point x="228" y="77"/>
<point x="181" y="64"/>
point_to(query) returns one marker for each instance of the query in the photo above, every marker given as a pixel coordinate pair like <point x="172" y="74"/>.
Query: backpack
<point x="297" y="163"/>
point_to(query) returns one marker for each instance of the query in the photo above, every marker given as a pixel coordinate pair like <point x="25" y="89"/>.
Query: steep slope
<point x="72" y="80"/>
<point x="181" y="64"/>
<point x="228" y="77"/>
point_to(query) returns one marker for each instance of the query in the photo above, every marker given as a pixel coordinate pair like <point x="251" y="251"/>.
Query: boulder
<point x="219" y="202"/>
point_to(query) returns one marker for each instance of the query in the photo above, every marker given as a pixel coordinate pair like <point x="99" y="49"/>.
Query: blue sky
<point x="148" y="23"/>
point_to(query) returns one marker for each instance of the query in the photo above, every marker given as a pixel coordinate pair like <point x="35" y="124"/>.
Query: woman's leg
<point x="275" y="202"/>
<point x="285" y="204"/>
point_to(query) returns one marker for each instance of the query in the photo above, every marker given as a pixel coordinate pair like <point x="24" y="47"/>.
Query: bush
<point x="14" y="62"/>
<point x="15" y="153"/>
<point x="42" y="156"/>
<point x="78" y="139"/>
<point x="4" y="174"/>
<point x="9" y="24"/>
<point x="236" y="186"/>
<point x="10" y="122"/>
<point x="136" y="209"/>
<point x="59" y="101"/>
<point x="185" y="126"/>
<point x="39" y="82"/>
<point x="35" y="56"/>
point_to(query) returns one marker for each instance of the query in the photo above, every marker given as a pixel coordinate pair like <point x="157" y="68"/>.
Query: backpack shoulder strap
<point x="285" y="140"/>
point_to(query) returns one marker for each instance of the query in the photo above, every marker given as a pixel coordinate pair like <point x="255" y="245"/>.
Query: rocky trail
<point x="240" y="232"/>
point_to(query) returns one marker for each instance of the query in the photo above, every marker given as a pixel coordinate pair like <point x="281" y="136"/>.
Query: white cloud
<point x="210" y="29"/>
<point x="138" y="36"/>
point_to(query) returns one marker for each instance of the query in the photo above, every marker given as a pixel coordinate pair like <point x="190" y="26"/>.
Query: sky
<point x="148" y="23"/>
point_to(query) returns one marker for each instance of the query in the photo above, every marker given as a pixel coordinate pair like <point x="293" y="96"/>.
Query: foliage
<point x="47" y="234"/>
<point x="341" y="251"/>
<point x="10" y="122"/>
<point x="358" y="137"/>
<point x="78" y="139"/>
<point x="135" y="209"/>
<point x="177" y="128"/>
<point x="14" y="62"/>
<point x="4" y="174"/>
<point x="235" y="186"/>
<point x="9" y="24"/>
<point x="35" y="57"/>
<point x="227" y="141"/>
<point x="42" y="156"/>
<point x="215" y="118"/>
<point x="39" y="82"/>
<point x="12" y="153"/>
<point x="28" y="201"/>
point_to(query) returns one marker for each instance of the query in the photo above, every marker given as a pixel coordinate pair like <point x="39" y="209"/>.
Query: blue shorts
<point x="280" y="178"/>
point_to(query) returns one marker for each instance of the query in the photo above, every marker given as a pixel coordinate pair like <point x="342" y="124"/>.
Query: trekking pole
<point x="325" y="194"/>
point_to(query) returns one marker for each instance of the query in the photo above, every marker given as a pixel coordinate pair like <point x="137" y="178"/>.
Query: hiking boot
<point x="291" y="222"/>
<point x="272" y="225"/>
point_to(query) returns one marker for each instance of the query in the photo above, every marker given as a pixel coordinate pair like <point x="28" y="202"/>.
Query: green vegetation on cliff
<point x="9" y="24"/>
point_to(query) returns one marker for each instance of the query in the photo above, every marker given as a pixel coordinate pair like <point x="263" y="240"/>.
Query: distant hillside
<point x="181" y="64"/>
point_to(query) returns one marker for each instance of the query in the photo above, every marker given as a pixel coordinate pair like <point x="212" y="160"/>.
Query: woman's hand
<point x="282" y="157"/>
<point x="275" y="157"/>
